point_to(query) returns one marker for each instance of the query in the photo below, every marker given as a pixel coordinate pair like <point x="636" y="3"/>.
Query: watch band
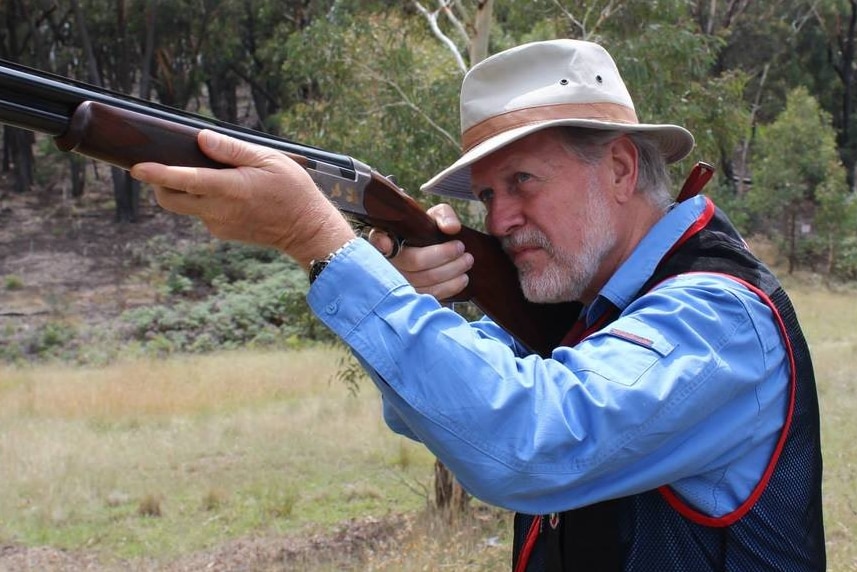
<point x="317" y="266"/>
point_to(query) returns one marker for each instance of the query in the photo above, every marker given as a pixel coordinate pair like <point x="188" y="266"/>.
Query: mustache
<point x="526" y="238"/>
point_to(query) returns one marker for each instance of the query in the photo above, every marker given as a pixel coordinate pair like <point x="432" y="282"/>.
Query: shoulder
<point x="698" y="325"/>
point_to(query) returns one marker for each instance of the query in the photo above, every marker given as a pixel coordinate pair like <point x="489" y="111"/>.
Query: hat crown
<point x="542" y="74"/>
<point x="541" y="85"/>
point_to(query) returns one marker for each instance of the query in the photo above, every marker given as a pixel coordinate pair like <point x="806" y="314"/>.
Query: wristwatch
<point x="317" y="266"/>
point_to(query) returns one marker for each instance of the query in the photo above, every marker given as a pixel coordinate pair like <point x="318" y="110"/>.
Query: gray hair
<point x="653" y="179"/>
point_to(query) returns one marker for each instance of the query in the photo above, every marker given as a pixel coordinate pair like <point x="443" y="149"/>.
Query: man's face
<point x="553" y="214"/>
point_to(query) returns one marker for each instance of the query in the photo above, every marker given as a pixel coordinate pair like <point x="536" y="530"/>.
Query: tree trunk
<point x="792" y="223"/>
<point x="148" y="51"/>
<point x="222" y="96"/>
<point x="126" y="192"/>
<point x="77" y="164"/>
<point x="18" y="151"/>
<point x="482" y="26"/>
<point x="847" y="45"/>
<point x="449" y="496"/>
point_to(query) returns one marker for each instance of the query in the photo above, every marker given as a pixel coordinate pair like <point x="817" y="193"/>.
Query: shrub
<point x="845" y="266"/>
<point x="223" y="296"/>
<point x="13" y="282"/>
<point x="50" y="339"/>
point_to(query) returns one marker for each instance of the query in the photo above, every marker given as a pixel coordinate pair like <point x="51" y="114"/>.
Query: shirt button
<point x="332" y="307"/>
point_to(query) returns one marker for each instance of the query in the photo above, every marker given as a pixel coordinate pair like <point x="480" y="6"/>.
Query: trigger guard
<point x="398" y="244"/>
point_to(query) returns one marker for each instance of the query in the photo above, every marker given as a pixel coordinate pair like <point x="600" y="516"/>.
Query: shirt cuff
<point x="355" y="281"/>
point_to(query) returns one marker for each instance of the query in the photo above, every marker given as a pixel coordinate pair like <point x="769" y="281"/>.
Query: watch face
<point x="315" y="268"/>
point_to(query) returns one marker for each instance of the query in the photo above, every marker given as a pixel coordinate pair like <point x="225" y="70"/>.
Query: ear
<point x="624" y="159"/>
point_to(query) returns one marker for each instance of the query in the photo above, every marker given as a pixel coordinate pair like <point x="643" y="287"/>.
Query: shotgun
<point x="122" y="130"/>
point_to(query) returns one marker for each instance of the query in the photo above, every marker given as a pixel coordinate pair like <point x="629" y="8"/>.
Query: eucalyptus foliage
<point x="799" y="179"/>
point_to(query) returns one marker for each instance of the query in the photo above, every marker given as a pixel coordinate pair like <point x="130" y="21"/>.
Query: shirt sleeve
<point x="686" y="388"/>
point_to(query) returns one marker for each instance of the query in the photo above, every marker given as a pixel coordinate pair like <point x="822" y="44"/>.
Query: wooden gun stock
<point x="124" y="138"/>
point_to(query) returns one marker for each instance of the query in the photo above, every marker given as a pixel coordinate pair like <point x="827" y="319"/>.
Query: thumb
<point x="381" y="241"/>
<point x="231" y="151"/>
<point x="445" y="218"/>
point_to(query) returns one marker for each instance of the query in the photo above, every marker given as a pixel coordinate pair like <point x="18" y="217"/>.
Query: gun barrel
<point x="43" y="102"/>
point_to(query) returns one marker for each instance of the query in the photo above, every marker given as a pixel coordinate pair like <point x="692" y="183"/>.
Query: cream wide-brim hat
<point x="539" y="85"/>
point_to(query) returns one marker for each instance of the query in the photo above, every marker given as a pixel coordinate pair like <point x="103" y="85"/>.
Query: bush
<point x="47" y="341"/>
<point x="845" y="266"/>
<point x="13" y="282"/>
<point x="214" y="295"/>
<point x="222" y="296"/>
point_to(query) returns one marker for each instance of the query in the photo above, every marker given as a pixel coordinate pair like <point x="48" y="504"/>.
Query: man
<point x="676" y="426"/>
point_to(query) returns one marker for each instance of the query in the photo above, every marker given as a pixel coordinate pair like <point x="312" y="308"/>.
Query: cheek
<point x="567" y="225"/>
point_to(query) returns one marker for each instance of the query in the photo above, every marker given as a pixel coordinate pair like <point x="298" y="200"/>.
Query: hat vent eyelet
<point x="563" y="81"/>
<point x="598" y="79"/>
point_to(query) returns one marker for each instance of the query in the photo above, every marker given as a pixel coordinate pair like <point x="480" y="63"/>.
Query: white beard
<point x="568" y="274"/>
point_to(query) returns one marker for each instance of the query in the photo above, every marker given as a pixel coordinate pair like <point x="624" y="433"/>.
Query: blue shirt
<point x="688" y="387"/>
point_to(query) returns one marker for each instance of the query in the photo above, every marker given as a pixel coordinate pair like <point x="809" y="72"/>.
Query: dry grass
<point x="829" y="318"/>
<point x="215" y="447"/>
<point x="262" y="443"/>
<point x="161" y="389"/>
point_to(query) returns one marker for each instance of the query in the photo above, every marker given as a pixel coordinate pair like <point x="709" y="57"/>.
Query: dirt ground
<point x="70" y="259"/>
<point x="340" y="549"/>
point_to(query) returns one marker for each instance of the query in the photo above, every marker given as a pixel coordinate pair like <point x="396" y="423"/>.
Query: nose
<point x="504" y="215"/>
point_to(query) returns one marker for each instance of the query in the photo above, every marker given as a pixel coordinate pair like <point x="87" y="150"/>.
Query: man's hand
<point x="440" y="269"/>
<point x="267" y="199"/>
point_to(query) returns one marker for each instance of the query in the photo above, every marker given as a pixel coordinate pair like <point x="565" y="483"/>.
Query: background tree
<point x="26" y="37"/>
<point x="837" y="32"/>
<point x="799" y="179"/>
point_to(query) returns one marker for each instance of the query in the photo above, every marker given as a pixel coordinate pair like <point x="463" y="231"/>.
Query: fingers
<point x="439" y="270"/>
<point x="234" y="151"/>
<point x="211" y="182"/>
<point x="178" y="202"/>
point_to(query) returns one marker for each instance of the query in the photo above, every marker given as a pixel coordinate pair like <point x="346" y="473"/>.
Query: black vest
<point x="779" y="527"/>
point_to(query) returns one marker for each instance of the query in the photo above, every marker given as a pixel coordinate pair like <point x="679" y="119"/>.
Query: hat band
<point x="607" y="112"/>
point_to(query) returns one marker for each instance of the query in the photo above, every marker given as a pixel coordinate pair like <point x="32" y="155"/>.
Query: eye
<point x="521" y="177"/>
<point x="485" y="195"/>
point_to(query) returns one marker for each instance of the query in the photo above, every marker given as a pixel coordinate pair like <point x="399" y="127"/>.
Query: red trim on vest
<point x="701" y="222"/>
<point x="529" y="544"/>
<point x="692" y="514"/>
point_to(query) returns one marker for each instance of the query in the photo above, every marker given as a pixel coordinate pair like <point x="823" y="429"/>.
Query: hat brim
<point x="674" y="141"/>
